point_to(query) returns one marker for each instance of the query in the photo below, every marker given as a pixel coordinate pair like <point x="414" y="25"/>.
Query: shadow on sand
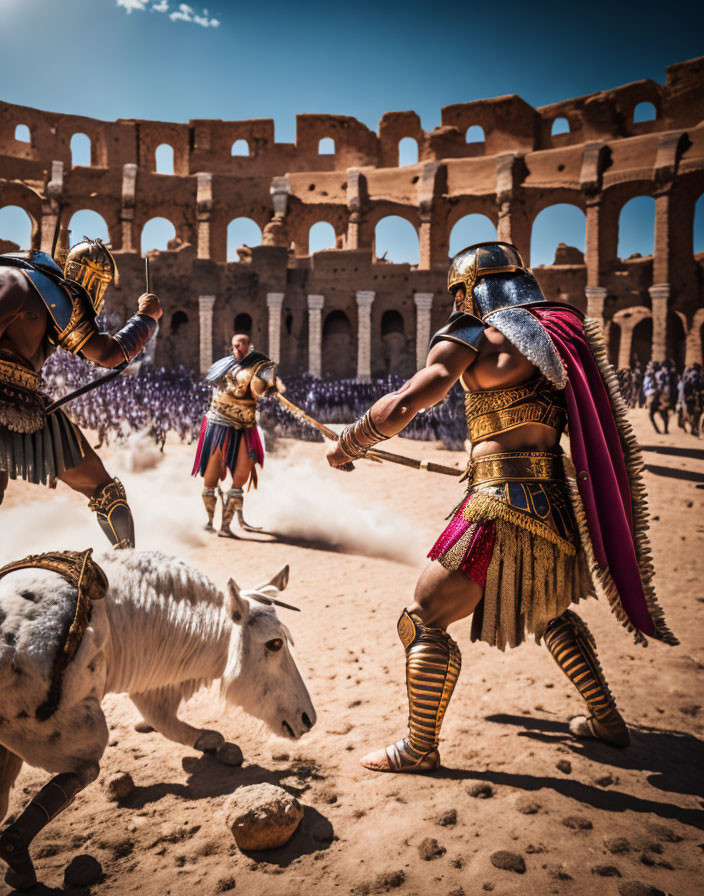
<point x="673" y="758"/>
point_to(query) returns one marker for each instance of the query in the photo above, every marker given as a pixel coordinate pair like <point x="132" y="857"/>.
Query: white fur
<point x="162" y="631"/>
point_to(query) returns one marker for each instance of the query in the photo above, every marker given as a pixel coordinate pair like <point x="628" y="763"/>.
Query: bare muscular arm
<point x="103" y="349"/>
<point x="13" y="292"/>
<point x="447" y="361"/>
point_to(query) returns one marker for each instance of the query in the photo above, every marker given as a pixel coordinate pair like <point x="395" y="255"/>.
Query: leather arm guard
<point x="356" y="438"/>
<point x="135" y="334"/>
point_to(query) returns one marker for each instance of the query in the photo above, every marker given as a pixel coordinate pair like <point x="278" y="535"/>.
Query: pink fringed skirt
<point x="465" y="545"/>
<point x="218" y="435"/>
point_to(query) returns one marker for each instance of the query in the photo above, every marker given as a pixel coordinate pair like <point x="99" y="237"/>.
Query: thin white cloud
<point x="184" y="13"/>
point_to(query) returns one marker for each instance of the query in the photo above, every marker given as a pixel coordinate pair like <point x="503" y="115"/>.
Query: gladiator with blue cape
<point x="538" y="528"/>
<point x="48" y="303"/>
<point x="230" y="441"/>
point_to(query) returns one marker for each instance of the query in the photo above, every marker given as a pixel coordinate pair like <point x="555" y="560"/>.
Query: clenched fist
<point x="149" y="304"/>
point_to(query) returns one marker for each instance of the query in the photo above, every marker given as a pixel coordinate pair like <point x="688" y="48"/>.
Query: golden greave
<point x="573" y="648"/>
<point x="210" y="501"/>
<point x="232" y="502"/>
<point x="433" y="663"/>
<point x="109" y="503"/>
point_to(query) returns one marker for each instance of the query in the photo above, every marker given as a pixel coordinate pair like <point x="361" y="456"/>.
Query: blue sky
<point x="159" y="59"/>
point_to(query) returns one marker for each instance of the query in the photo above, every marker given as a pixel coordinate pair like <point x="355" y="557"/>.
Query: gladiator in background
<point x="43" y="306"/>
<point x="229" y="438"/>
<point x="536" y="530"/>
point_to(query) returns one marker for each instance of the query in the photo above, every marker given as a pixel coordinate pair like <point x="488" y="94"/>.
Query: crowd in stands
<point x="663" y="391"/>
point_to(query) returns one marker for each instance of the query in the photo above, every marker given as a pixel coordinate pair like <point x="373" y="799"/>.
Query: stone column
<point x="315" y="330"/>
<point x="129" y="192"/>
<point x="205" y="316"/>
<point x="662" y="249"/>
<point x="204" y="209"/>
<point x="595" y="301"/>
<point x="365" y="297"/>
<point x="504" y="228"/>
<point x="625" y="343"/>
<point x="274" y="301"/>
<point x="424" y="304"/>
<point x="659" y="299"/>
<point x="425" y="243"/>
<point x="593" y="241"/>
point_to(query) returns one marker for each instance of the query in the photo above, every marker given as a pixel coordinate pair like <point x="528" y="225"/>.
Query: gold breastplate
<point x="234" y="399"/>
<point x="493" y="411"/>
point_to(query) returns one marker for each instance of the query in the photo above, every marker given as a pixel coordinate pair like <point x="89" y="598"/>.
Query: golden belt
<point x="240" y="412"/>
<point x="514" y="466"/>
<point x="15" y="374"/>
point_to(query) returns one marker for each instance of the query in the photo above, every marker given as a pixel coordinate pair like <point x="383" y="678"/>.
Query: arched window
<point x="407" y="152"/>
<point x="22" y="134"/>
<point x="321" y="236"/>
<point x="636" y="227"/>
<point x="471" y="229"/>
<point x="644" y="112"/>
<point x="391" y="322"/>
<point x="698" y="235"/>
<point x="80" y="150"/>
<point x="241" y="232"/>
<point x="396" y="240"/>
<point x="240" y="148"/>
<point x="178" y="319"/>
<point x="88" y="223"/>
<point x="560" y="126"/>
<point x="561" y="223"/>
<point x="164" y="157"/>
<point x="326" y="147"/>
<point x="475" y="134"/>
<point x="16" y="226"/>
<point x="156" y="234"/>
<point x="243" y="324"/>
<point x="338" y="351"/>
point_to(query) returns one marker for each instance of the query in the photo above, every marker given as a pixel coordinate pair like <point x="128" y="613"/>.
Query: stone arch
<point x="644" y="111"/>
<point x="698" y="226"/>
<point x="636" y="227"/>
<point x="407" y="152"/>
<point x="156" y="234"/>
<point x="23" y="134"/>
<point x="642" y="340"/>
<point x="338" y="349"/>
<point x="677" y="337"/>
<point x="475" y="134"/>
<point x="16" y="226"/>
<point x="242" y="324"/>
<point x="242" y="232"/>
<point x="396" y="240"/>
<point x="179" y="319"/>
<point x="81" y="150"/>
<point x="563" y="222"/>
<point x="326" y="147"/>
<point x="15" y="194"/>
<point x="471" y="228"/>
<point x="164" y="159"/>
<point x="560" y="125"/>
<point x="86" y="222"/>
<point x="626" y="320"/>
<point x="240" y="148"/>
<point x="321" y="236"/>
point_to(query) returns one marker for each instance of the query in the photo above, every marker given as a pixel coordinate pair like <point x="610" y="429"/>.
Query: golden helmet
<point x="473" y="264"/>
<point x="91" y="264"/>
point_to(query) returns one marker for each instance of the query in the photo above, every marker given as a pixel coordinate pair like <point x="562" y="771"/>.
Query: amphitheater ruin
<point x="343" y="311"/>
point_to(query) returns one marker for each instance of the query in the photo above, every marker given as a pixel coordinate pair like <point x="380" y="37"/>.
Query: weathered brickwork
<point x="342" y="311"/>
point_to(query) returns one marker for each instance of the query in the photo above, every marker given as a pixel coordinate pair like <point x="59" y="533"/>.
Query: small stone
<point x="559" y="873"/>
<point x="430" y="849"/>
<point x="606" y="871"/>
<point x="84" y="871"/>
<point x="280" y="757"/>
<point x="447" y="819"/>
<point x="480" y="791"/>
<point x="225" y="884"/>
<point x="119" y="786"/>
<point x="262" y="816"/>
<point x="617" y="845"/>
<point x="577" y="823"/>
<point x="648" y="859"/>
<point x="528" y="807"/>
<point x="389" y="880"/>
<point x="508" y="861"/>
<point x="229" y="754"/>
<point x="662" y="832"/>
<point x="638" y="888"/>
<point x="564" y="766"/>
<point x="604" y="781"/>
<point x="488" y="886"/>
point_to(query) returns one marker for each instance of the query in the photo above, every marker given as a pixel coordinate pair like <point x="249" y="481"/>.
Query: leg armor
<point x="574" y="650"/>
<point x="233" y="504"/>
<point x="114" y="516"/>
<point x="433" y="663"/>
<point x="210" y="500"/>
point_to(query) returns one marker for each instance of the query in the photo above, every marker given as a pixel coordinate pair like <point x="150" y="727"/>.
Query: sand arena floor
<point x="355" y="544"/>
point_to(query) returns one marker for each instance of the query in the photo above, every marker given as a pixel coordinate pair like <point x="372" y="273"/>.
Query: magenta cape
<point x="605" y="486"/>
